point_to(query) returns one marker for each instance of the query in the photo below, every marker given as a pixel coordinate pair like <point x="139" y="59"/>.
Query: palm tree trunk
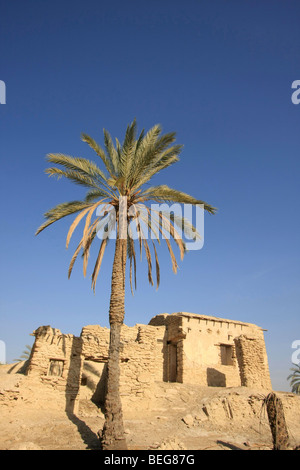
<point x="113" y="431"/>
<point x="277" y="422"/>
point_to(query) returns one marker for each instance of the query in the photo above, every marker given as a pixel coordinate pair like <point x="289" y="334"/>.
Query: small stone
<point x="188" y="420"/>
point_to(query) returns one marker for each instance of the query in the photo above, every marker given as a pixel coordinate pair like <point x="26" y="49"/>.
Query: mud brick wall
<point x="253" y="362"/>
<point x="143" y="364"/>
<point x="173" y="358"/>
<point x="57" y="359"/>
<point x="95" y="342"/>
<point x="141" y="354"/>
<point x="202" y="350"/>
<point x="54" y="353"/>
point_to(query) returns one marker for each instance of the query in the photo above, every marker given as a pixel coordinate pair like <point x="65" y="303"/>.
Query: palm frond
<point x="111" y="152"/>
<point x="74" y="257"/>
<point x="99" y="193"/>
<point x="165" y="237"/>
<point x="98" y="262"/>
<point x="60" y="211"/>
<point x="145" y="149"/>
<point x="78" y="164"/>
<point x="173" y="258"/>
<point x="80" y="171"/>
<point x="128" y="151"/>
<point x="137" y="220"/>
<point x="186" y="227"/>
<point x="87" y="245"/>
<point x="165" y="223"/>
<point x="143" y="213"/>
<point x="146" y="175"/>
<point x="149" y="261"/>
<point x="84" y="244"/>
<point x="163" y="193"/>
<point x="100" y="152"/>
<point x="88" y="220"/>
<point x="74" y="176"/>
<point x="73" y="226"/>
<point x="157" y="266"/>
<point x="160" y="151"/>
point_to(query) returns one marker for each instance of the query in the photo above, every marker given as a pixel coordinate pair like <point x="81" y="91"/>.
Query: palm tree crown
<point x="128" y="166"/>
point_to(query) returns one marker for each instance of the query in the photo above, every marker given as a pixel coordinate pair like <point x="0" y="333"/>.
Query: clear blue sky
<point x="219" y="73"/>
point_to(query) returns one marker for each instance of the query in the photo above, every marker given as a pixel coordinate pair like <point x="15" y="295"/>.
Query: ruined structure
<point x="181" y="347"/>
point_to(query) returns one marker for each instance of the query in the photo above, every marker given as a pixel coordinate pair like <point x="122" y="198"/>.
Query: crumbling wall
<point x="57" y="359"/>
<point x="65" y="362"/>
<point x="253" y="362"/>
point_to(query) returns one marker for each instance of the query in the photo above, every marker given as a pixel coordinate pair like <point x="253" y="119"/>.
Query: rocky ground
<point x="175" y="416"/>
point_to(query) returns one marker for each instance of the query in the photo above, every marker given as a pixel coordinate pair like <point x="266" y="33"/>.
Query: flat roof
<point x="211" y="318"/>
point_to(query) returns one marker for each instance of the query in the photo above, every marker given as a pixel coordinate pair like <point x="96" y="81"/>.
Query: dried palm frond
<point x="98" y="262"/>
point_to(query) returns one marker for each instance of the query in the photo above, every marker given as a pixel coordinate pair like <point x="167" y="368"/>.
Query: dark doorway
<point x="172" y="362"/>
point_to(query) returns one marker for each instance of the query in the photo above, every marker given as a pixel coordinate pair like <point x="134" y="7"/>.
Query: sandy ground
<point x="176" y="416"/>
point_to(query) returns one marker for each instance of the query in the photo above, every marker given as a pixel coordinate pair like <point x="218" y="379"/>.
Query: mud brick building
<point x="180" y="347"/>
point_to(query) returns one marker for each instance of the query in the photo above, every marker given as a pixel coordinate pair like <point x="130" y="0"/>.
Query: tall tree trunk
<point x="113" y="431"/>
<point x="277" y="422"/>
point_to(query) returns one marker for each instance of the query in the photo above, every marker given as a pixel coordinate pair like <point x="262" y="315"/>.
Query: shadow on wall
<point x="99" y="395"/>
<point x="72" y="390"/>
<point x="74" y="376"/>
<point x="94" y="377"/>
<point x="215" y="378"/>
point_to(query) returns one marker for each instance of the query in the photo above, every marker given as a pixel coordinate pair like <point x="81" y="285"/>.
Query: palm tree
<point x="295" y="379"/>
<point x="120" y="190"/>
